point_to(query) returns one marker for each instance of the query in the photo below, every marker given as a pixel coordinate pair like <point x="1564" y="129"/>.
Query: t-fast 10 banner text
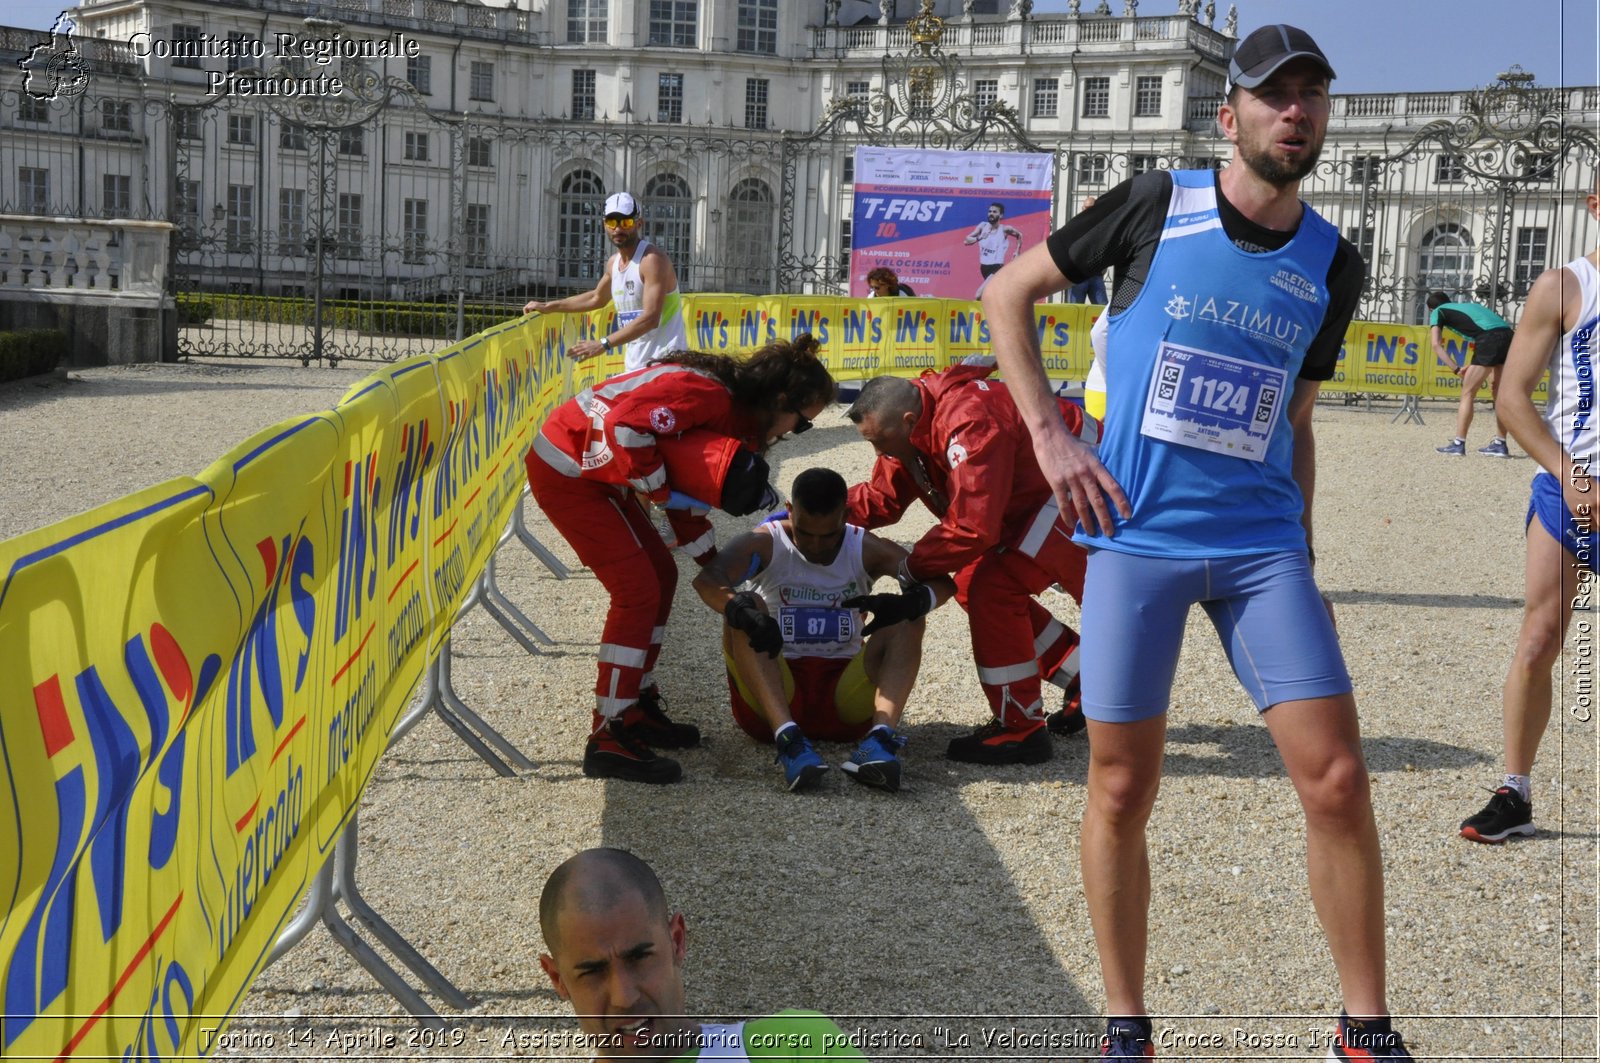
<point x="943" y="221"/>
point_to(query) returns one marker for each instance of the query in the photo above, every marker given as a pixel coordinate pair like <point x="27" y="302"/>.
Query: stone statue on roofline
<point x="966" y="8"/>
<point x="831" y="17"/>
<point x="1211" y="13"/>
<point x="1104" y="8"/>
<point x="1230" y="28"/>
<point x="1021" y="9"/>
<point x="885" y="7"/>
<point x="1130" y="8"/>
<point x="1072" y="7"/>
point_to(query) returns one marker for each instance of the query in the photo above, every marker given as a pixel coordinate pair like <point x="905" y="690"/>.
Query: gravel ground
<point x="955" y="905"/>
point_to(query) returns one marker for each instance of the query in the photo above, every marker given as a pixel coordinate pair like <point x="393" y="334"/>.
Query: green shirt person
<point x="1490" y="336"/>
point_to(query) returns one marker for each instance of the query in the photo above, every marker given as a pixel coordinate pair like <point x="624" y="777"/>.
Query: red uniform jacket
<point x="982" y="479"/>
<point x="657" y="429"/>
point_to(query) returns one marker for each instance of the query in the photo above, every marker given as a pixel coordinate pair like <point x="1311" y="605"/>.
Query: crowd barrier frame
<point x="399" y="483"/>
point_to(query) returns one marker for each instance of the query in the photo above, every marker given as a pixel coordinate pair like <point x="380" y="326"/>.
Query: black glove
<point x="745" y="487"/>
<point x="889" y="609"/>
<point x="743" y="613"/>
<point x="770" y="499"/>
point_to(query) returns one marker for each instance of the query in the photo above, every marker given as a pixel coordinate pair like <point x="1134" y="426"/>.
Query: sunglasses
<point x="803" y="424"/>
<point x="620" y="223"/>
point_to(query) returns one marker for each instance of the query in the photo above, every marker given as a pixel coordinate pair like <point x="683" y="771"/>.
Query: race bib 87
<point x="814" y="624"/>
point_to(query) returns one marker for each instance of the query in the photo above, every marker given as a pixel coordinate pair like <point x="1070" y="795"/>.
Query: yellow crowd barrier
<point x="199" y="678"/>
<point x="864" y="338"/>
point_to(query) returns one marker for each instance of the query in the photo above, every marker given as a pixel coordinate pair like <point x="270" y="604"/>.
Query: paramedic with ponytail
<point x="688" y="430"/>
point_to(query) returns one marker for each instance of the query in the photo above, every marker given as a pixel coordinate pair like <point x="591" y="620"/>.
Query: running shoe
<point x="875" y="763"/>
<point x="993" y="743"/>
<point x="1126" y="1040"/>
<point x="801" y="765"/>
<point x="1068" y="720"/>
<point x="1352" y="1041"/>
<point x="1495" y="448"/>
<point x="612" y="754"/>
<point x="645" y="721"/>
<point x="1505" y="814"/>
<point x="1455" y="447"/>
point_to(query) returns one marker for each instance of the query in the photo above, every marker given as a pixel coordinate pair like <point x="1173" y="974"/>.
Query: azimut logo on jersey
<point x="1276" y="329"/>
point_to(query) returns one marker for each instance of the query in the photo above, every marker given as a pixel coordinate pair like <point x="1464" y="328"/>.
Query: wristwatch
<point x="605" y="343"/>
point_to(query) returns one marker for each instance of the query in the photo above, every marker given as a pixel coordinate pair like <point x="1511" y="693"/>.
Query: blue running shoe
<point x="874" y="762"/>
<point x="801" y="765"/>
<point x="1125" y="1042"/>
<point x="1455" y="448"/>
<point x="1495" y="448"/>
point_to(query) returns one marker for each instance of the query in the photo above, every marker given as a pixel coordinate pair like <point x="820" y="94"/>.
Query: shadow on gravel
<point x="1247" y="752"/>
<point x="1431" y="601"/>
<point x="894" y="914"/>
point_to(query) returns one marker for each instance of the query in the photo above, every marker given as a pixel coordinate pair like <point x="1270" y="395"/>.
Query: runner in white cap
<point x="640" y="280"/>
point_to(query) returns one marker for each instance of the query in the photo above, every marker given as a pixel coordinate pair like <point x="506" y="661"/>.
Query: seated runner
<point x="800" y="663"/>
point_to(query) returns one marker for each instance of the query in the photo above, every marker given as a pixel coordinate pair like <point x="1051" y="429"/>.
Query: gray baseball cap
<point x="1260" y="55"/>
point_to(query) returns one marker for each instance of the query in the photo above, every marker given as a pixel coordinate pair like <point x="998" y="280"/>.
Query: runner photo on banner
<point x="945" y="221"/>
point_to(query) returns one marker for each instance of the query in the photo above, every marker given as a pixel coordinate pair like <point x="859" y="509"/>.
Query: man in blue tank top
<point x="1230" y="306"/>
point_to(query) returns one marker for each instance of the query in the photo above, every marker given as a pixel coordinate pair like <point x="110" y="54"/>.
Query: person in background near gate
<point x="954" y="440"/>
<point x="884" y="283"/>
<point x="800" y="664"/>
<point x="993" y="236"/>
<point x="1557" y="331"/>
<point x="1093" y="290"/>
<point x="1490" y="336"/>
<point x="1201" y="492"/>
<point x="615" y="951"/>
<point x="694" y="423"/>
<point x="639" y="280"/>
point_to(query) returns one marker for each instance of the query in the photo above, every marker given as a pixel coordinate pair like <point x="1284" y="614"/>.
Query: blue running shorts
<point x="1546" y="503"/>
<point x="1266" y="609"/>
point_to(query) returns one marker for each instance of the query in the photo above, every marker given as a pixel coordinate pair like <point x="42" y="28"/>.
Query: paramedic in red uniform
<point x="688" y="427"/>
<point x="954" y="440"/>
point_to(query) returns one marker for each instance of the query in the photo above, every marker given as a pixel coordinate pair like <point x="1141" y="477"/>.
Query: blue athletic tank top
<point x="1205" y="361"/>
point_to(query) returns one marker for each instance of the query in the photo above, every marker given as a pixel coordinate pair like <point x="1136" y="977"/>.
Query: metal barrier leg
<point x="1410" y="409"/>
<point x="385" y="975"/>
<point x="345" y="855"/>
<point x="434" y="681"/>
<point x="478" y="594"/>
<point x="519" y="525"/>
<point x="308" y="917"/>
<point x="454" y="705"/>
<point x="497" y="605"/>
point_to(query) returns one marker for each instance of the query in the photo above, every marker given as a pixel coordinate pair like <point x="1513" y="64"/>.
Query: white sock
<point x="1522" y="784"/>
<point x="779" y="732"/>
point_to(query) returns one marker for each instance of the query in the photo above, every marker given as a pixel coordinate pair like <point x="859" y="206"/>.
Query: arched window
<point x="668" y="216"/>
<point x="751" y="242"/>
<point x="581" y="248"/>
<point x="1446" y="262"/>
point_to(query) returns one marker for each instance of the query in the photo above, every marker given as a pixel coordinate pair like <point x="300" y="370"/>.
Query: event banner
<point x="200" y="679"/>
<point x="943" y="221"/>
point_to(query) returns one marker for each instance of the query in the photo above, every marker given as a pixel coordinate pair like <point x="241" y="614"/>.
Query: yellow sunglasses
<point x="620" y="223"/>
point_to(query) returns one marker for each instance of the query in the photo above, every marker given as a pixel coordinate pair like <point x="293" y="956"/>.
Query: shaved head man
<point x="616" y="954"/>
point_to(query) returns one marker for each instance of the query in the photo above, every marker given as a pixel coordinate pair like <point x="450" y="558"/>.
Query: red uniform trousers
<point x="613" y="537"/>
<point x="1016" y="642"/>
